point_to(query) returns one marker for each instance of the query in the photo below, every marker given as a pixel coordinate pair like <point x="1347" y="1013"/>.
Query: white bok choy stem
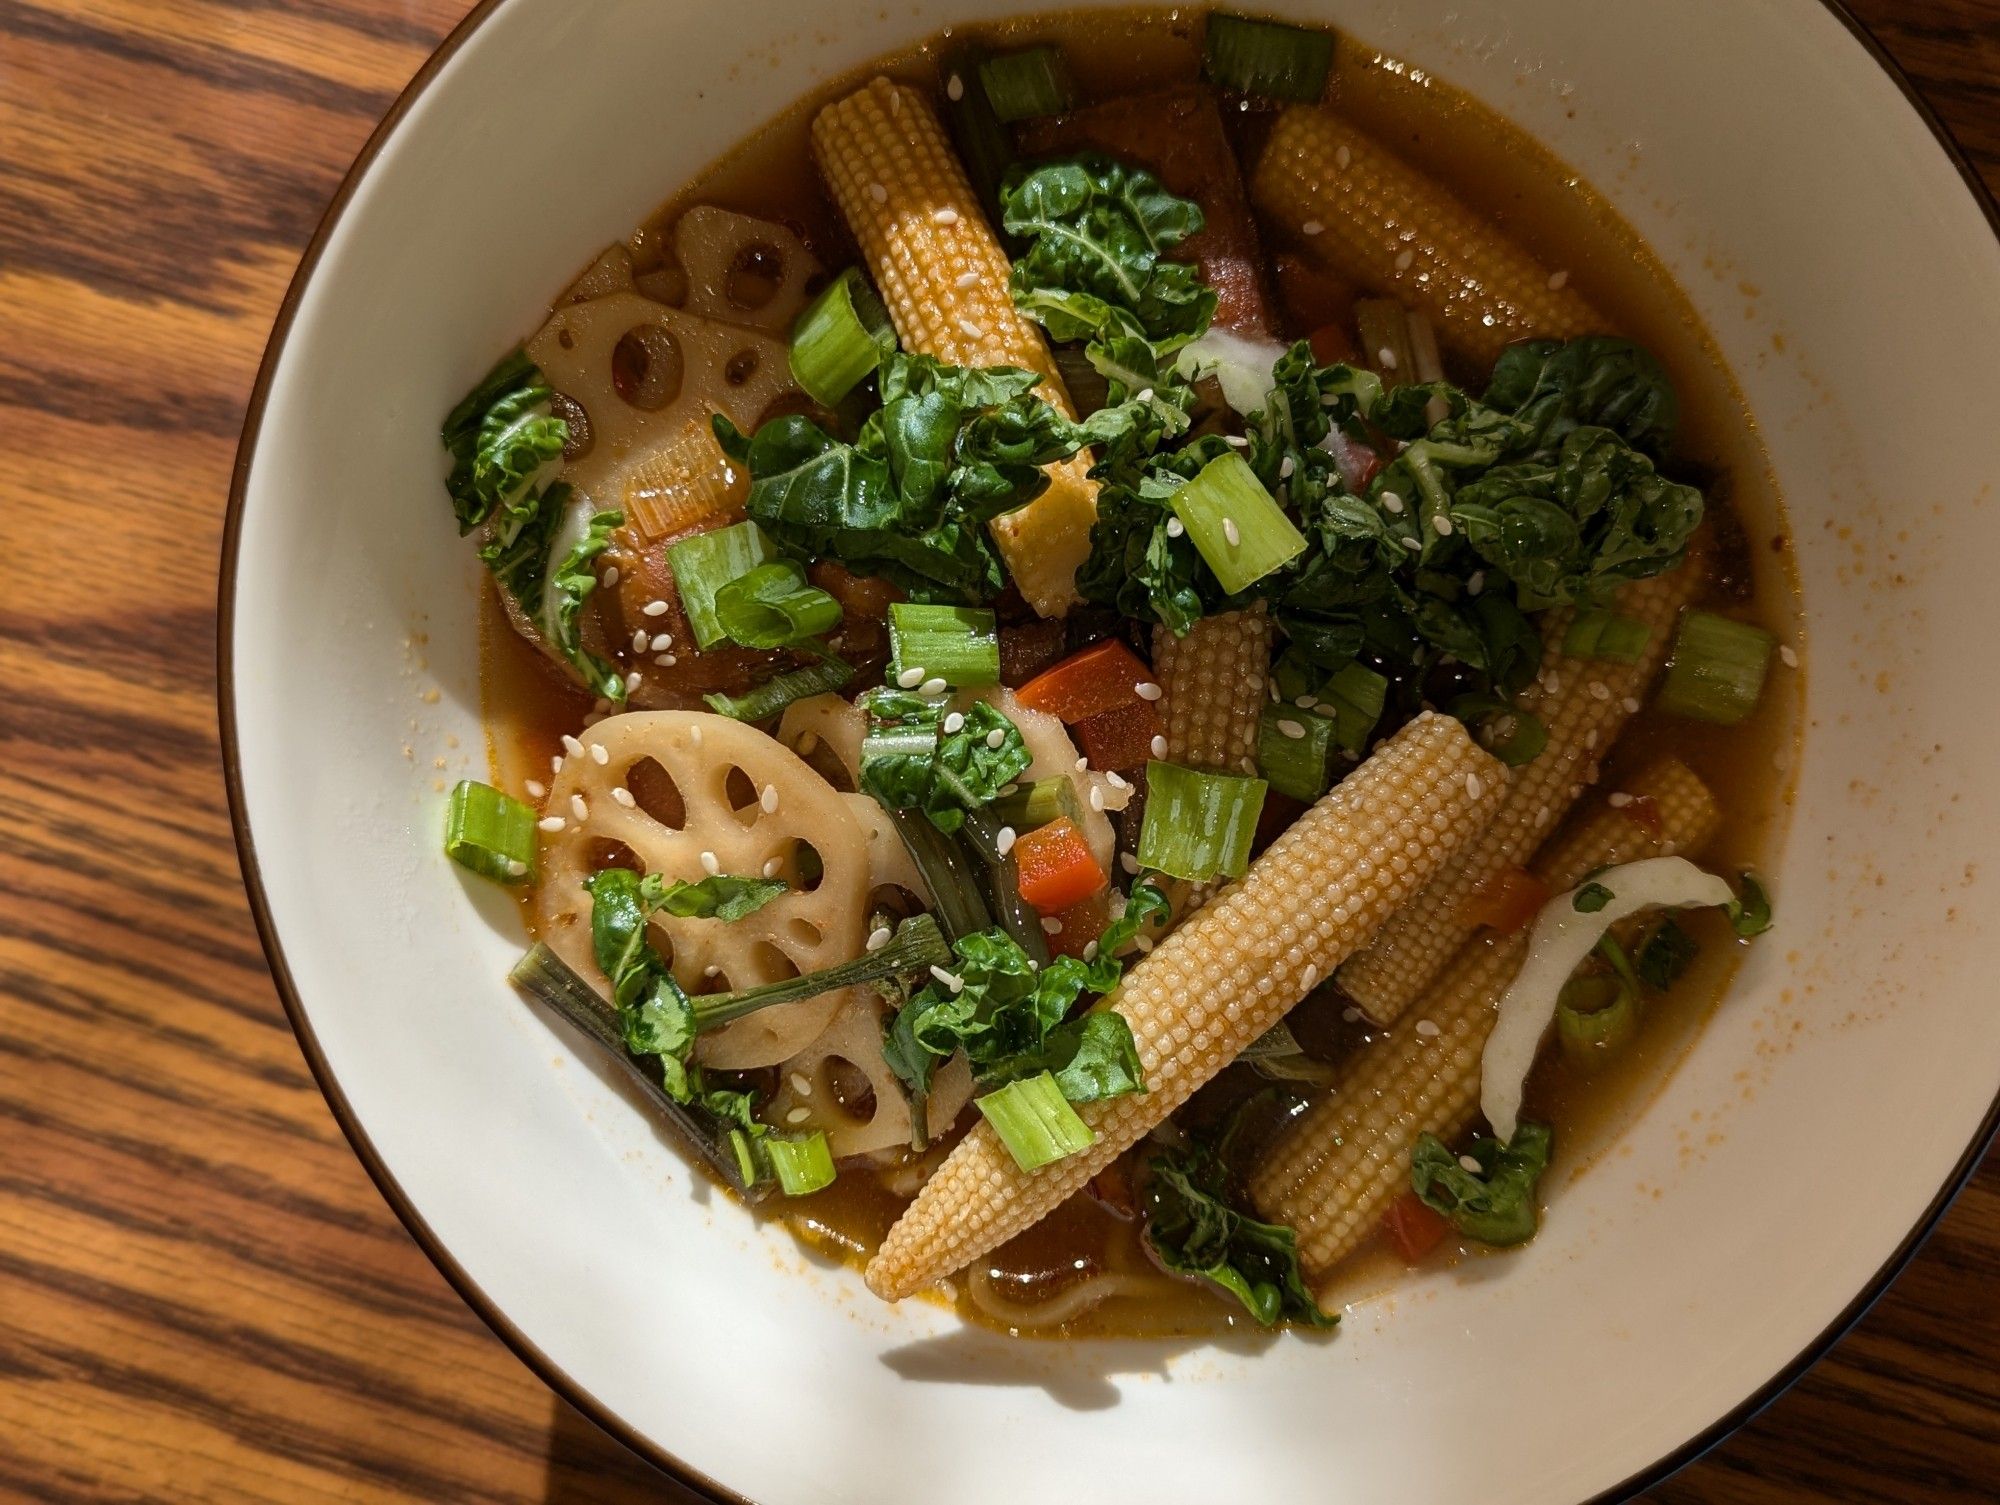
<point x="1562" y="938"/>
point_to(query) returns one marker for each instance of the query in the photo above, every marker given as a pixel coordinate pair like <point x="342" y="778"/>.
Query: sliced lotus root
<point x="685" y="794"/>
<point x="641" y="373"/>
<point x="744" y="270"/>
<point x="841" y="1084"/>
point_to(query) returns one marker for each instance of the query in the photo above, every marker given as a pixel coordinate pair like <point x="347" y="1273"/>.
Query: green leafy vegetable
<point x="569" y="585"/>
<point x="1195" y="1229"/>
<point x="724" y="896"/>
<point x="1592" y="897"/>
<point x="1552" y="387"/>
<point x="1496" y="1204"/>
<point x="766" y="700"/>
<point x="909" y="761"/>
<point x="500" y="437"/>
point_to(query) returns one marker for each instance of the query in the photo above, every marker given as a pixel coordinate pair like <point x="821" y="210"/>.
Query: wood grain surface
<point x="202" y="1297"/>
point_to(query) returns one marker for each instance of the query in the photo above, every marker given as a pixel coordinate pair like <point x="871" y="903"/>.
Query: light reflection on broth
<point x="528" y="706"/>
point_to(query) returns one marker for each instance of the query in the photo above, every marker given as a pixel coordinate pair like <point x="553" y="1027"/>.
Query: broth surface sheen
<point x="1544" y="205"/>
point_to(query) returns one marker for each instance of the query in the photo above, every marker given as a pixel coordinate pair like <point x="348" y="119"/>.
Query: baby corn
<point x="943" y="275"/>
<point x="1214" y="682"/>
<point x="1340" y="1165"/>
<point x="1220" y="980"/>
<point x="1585" y="703"/>
<point x="1372" y="217"/>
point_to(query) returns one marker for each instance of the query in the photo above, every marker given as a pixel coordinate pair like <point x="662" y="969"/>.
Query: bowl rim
<point x="564" y="1385"/>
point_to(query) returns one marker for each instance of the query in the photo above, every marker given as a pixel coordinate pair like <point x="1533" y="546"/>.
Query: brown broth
<point x="1546" y="206"/>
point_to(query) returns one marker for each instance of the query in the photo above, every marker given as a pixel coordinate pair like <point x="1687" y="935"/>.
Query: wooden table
<point x="201" y="1295"/>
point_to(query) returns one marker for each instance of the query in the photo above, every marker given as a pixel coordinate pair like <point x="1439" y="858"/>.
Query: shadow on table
<point x="588" y="1466"/>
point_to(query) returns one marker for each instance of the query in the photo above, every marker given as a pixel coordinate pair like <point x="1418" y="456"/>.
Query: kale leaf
<point x="1194" y="1228"/>
<point x="910" y="762"/>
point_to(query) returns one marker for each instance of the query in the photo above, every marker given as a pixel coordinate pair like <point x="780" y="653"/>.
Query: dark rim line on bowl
<point x="523" y="1347"/>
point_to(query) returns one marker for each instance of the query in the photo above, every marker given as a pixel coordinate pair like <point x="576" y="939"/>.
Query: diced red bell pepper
<point x="1121" y="737"/>
<point x="1056" y="866"/>
<point x="1508" y="901"/>
<point x="1414" y="1230"/>
<point x="1101" y="678"/>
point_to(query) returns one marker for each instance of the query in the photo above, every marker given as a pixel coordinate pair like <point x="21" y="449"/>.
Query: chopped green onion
<point x="916" y="945"/>
<point x="549" y="980"/>
<point x="1035" y="1121"/>
<point x="489" y="832"/>
<point x="843" y="335"/>
<point x="1513" y="735"/>
<point x="1717" y="670"/>
<point x="1295" y="751"/>
<point x="1234" y="523"/>
<point x="1385" y="340"/>
<point x="705" y="563"/>
<point x="1595" y="1016"/>
<point x="1024" y="85"/>
<point x="1606" y="635"/>
<point x="956" y="897"/>
<point x="957" y="644"/>
<point x="773" y="695"/>
<point x="1751" y="913"/>
<point x="1032" y="806"/>
<point x="984" y="145"/>
<point x="744" y="1159"/>
<point x="802" y="1165"/>
<point x="772" y="606"/>
<point x="1264" y="58"/>
<point x="1355" y="696"/>
<point x="1198" y="824"/>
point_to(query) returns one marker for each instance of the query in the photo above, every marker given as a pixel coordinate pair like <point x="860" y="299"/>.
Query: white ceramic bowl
<point x="1815" y="1130"/>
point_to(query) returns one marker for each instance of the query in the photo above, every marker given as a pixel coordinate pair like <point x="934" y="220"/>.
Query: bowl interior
<point x="1853" y="285"/>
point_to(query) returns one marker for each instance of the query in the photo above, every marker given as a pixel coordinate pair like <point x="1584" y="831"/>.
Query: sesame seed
<point x="710" y="864"/>
<point x="1413" y="546"/>
<point x="1311" y="227"/>
<point x="654" y="609"/>
<point x="1631" y="705"/>
<point x="599" y="754"/>
<point x="878" y="193"/>
<point x="1475" y="582"/>
<point x="665" y="660"/>
<point x="1599" y="690"/>
<point x="1306" y="702"/>
<point x="1291" y="729"/>
<point x="1552" y="682"/>
<point x="1618" y="800"/>
<point x="1004" y="842"/>
<point x="1391" y="503"/>
<point x="1116" y="781"/>
<point x="1090" y="952"/>
<point x="909" y="679"/>
<point x="1443" y="525"/>
<point x="1466" y="1162"/>
<point x="1235" y="441"/>
<point x="970" y="330"/>
<point x="1175" y="527"/>
<point x="1159" y="747"/>
<point x="798" y="1115"/>
<point x="1286" y="467"/>
<point x="555" y="763"/>
<point x="997" y="738"/>
<point x="769" y="799"/>
<point x="1051" y="925"/>
<point x="1276" y="695"/>
<point x="802" y="1084"/>
<point x="1147" y="690"/>
<point x="1557" y="281"/>
<point x="879" y="937"/>
<point x="552" y="823"/>
<point x="1403" y="260"/>
<point x="610" y="576"/>
<point x="1427" y="1029"/>
<point x="1351" y="1015"/>
<point x="966" y="280"/>
<point x="1343" y="157"/>
<point x="536" y="789"/>
<point x="954" y="722"/>
<point x="1386" y="358"/>
<point x="516" y="868"/>
<point x="1231" y="534"/>
<point x="1007" y="789"/>
<point x="944" y="216"/>
<point x="1145" y="395"/>
<point x="1083" y="765"/>
<point x="1096" y="797"/>
<point x="1311" y="976"/>
<point x="950" y="979"/>
<point x="623" y="796"/>
<point x="933" y="686"/>
<point x="694" y="736"/>
<point x="807" y="742"/>
<point x="954" y="88"/>
<point x="632" y="681"/>
<point x="1788" y="656"/>
<point x="1129" y="863"/>
<point x="641" y="642"/>
<point x="571" y="745"/>
<point x="1144" y="943"/>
